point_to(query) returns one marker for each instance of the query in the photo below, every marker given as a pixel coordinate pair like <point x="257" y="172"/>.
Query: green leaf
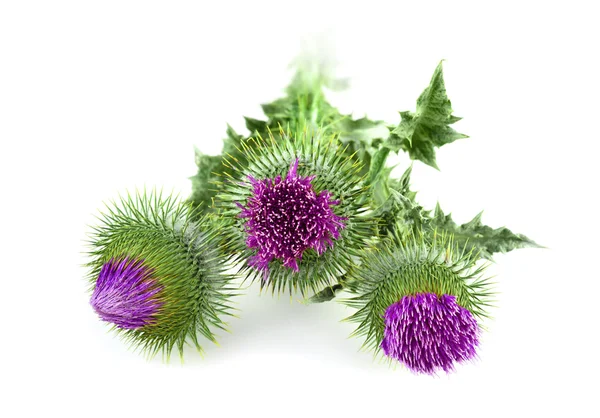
<point x="203" y="191"/>
<point x="482" y="238"/>
<point x="403" y="185"/>
<point x="400" y="214"/>
<point x="232" y="143"/>
<point x="377" y="164"/>
<point x="304" y="106"/>
<point x="255" y="125"/>
<point x="421" y="132"/>
<point x="360" y="130"/>
<point x="361" y="137"/>
<point x="324" y="295"/>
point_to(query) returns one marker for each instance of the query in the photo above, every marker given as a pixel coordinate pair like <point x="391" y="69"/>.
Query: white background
<point x="100" y="97"/>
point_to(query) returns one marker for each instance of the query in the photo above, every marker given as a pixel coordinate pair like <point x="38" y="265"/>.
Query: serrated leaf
<point x="377" y="164"/>
<point x="361" y="137"/>
<point x="403" y="185"/>
<point x="400" y="214"/>
<point x="482" y="238"/>
<point x="255" y="125"/>
<point x="360" y="130"/>
<point x="232" y="142"/>
<point x="421" y="132"/>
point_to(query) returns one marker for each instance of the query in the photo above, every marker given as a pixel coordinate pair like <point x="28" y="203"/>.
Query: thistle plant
<point x="306" y="201"/>
<point x="157" y="276"/>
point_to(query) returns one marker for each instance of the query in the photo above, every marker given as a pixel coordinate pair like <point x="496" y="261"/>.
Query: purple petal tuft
<point x="428" y="332"/>
<point x="126" y="294"/>
<point x="285" y="217"/>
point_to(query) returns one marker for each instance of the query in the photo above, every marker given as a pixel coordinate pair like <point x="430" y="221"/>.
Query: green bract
<point x="185" y="263"/>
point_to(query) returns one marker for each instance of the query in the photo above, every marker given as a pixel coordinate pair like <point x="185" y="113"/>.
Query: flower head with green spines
<point x="286" y="217"/>
<point x="419" y="301"/>
<point x="296" y="211"/>
<point x="158" y="276"/>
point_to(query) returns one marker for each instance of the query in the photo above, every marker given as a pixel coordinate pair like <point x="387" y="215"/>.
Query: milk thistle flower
<point x="126" y="294"/>
<point x="427" y="332"/>
<point x="296" y="211"/>
<point x="286" y="216"/>
<point x="419" y="303"/>
<point x="157" y="275"/>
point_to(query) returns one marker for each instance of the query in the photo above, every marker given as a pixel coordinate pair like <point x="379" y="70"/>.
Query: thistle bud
<point x="157" y="275"/>
<point x="419" y="303"/>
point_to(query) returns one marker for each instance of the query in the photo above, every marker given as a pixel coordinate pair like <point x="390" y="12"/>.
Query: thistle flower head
<point x="418" y="302"/>
<point x="157" y="274"/>
<point x="126" y="294"/>
<point x="296" y="211"/>
<point x="427" y="332"/>
<point x="286" y="216"/>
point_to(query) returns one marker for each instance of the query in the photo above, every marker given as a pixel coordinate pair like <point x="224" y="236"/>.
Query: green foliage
<point x="361" y="137"/>
<point x="390" y="201"/>
<point x="306" y="108"/>
<point x="390" y="247"/>
<point x="203" y="192"/>
<point x="210" y="170"/>
<point x="186" y="262"/>
<point x="475" y="235"/>
<point x="397" y="210"/>
<point x="303" y="108"/>
<point x="377" y="165"/>
<point x="334" y="171"/>
<point x="232" y="143"/>
<point x="421" y="132"/>
<point x="399" y="267"/>
<point x="326" y="294"/>
<point x="399" y="213"/>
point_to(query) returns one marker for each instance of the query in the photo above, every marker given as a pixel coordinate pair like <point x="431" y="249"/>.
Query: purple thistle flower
<point x="286" y="217"/>
<point x="428" y="332"/>
<point x="125" y="294"/>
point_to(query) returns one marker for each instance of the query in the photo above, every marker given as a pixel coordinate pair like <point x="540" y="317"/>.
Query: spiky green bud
<point x="397" y="269"/>
<point x="157" y="275"/>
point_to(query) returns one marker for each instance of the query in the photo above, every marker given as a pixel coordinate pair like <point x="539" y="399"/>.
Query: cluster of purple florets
<point x="427" y="332"/>
<point x="126" y="294"/>
<point x="285" y="217"/>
